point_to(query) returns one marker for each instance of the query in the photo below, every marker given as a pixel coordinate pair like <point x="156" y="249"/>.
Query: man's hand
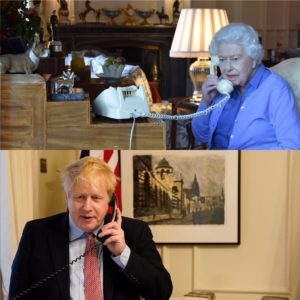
<point x="116" y="240"/>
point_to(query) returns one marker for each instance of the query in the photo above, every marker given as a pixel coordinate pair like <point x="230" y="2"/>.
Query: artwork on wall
<point x="185" y="196"/>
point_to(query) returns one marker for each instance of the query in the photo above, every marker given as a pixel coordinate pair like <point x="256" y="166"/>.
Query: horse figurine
<point x="88" y="8"/>
<point x="163" y="18"/>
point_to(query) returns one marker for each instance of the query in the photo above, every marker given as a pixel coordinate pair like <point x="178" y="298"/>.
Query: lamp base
<point x="198" y="74"/>
<point x="196" y="98"/>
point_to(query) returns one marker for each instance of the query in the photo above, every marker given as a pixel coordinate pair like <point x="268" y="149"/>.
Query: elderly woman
<point x="261" y="112"/>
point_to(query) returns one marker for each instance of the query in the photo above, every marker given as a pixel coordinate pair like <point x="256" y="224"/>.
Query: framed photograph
<point x="185" y="196"/>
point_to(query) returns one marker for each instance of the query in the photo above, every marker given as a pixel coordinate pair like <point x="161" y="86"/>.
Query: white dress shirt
<point x="77" y="244"/>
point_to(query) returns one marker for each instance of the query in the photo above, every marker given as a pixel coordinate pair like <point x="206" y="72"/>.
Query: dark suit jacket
<point x="44" y="248"/>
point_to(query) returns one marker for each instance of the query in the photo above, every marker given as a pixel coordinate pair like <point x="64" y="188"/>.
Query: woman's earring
<point x="254" y="64"/>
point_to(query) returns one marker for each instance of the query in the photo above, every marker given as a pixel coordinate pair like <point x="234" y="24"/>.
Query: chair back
<point x="289" y="69"/>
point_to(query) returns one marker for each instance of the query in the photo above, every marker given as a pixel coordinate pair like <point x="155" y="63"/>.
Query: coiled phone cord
<point x="184" y="117"/>
<point x="52" y="275"/>
<point x="177" y="117"/>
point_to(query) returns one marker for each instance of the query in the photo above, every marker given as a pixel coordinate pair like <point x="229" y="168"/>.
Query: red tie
<point x="92" y="282"/>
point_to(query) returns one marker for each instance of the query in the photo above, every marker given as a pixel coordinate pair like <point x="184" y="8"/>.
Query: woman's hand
<point x="209" y="89"/>
<point x="116" y="240"/>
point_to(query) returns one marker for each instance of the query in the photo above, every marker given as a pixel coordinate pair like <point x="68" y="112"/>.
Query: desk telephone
<point x="110" y="217"/>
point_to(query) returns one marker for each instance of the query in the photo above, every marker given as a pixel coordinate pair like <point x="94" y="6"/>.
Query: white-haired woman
<point x="261" y="112"/>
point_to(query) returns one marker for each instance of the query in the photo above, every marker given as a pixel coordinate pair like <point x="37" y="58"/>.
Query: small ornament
<point x="129" y="13"/>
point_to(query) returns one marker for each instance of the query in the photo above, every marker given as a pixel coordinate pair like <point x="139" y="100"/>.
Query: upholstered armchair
<point x="289" y="69"/>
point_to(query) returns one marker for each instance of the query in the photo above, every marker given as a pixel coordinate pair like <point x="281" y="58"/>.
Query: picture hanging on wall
<point x="186" y="197"/>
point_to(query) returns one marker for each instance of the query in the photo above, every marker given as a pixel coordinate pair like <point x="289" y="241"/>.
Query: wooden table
<point x="72" y="125"/>
<point x="29" y="121"/>
<point x="180" y="104"/>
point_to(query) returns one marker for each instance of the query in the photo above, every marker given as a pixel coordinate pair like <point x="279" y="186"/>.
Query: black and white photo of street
<point x="176" y="190"/>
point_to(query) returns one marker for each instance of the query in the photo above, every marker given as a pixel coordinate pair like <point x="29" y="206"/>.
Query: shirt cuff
<point x="122" y="259"/>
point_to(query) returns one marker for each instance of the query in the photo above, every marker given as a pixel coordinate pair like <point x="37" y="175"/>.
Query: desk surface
<point x="97" y="135"/>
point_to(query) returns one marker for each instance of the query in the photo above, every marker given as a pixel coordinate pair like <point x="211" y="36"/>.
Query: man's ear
<point x="66" y="201"/>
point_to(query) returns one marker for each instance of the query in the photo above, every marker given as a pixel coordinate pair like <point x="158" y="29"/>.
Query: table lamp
<point x="194" y="32"/>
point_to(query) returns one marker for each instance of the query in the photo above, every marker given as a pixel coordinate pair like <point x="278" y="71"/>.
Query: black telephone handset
<point x="110" y="217"/>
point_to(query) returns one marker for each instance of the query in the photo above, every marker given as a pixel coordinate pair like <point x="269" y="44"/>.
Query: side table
<point x="182" y="104"/>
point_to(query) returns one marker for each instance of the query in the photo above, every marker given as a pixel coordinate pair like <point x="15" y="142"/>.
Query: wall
<point x="276" y="21"/>
<point x="51" y="196"/>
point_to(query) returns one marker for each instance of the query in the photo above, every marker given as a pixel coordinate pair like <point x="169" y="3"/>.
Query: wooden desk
<point x="22" y="111"/>
<point x="72" y="125"/>
<point x="29" y="121"/>
<point x="150" y="136"/>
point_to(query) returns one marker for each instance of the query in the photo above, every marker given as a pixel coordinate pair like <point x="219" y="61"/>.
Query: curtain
<point x="18" y="171"/>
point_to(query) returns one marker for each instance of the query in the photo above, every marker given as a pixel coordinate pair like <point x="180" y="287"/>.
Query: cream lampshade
<point x="195" y="29"/>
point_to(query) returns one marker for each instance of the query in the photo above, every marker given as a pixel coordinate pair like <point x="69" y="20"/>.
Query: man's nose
<point x="87" y="203"/>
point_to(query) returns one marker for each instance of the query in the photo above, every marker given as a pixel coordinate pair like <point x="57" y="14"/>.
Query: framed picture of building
<point x="185" y="196"/>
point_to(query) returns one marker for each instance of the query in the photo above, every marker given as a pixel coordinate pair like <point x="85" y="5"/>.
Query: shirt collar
<point x="75" y="232"/>
<point x="258" y="76"/>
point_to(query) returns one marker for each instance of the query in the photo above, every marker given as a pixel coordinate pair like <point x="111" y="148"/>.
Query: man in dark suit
<point x="129" y="267"/>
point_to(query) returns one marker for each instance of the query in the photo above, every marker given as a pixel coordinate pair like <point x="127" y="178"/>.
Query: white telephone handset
<point x="225" y="86"/>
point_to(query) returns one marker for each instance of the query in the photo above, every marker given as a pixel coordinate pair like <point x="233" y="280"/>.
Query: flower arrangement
<point x="113" y="67"/>
<point x="17" y="20"/>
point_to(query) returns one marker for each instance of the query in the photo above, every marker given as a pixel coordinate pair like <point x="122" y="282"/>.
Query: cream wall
<point x="276" y="21"/>
<point x="51" y="196"/>
<point x="266" y="260"/>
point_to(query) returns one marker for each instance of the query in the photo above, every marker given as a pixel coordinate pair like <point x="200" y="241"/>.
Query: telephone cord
<point x="177" y="117"/>
<point x="132" y="131"/>
<point x="52" y="275"/>
<point x="183" y="117"/>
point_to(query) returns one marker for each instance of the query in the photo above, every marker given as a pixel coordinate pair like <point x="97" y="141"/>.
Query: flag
<point x="111" y="157"/>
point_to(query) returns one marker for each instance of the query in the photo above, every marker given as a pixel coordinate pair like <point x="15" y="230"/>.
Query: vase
<point x="77" y="63"/>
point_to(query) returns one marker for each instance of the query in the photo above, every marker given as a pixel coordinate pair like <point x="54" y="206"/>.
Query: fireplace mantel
<point x="151" y="39"/>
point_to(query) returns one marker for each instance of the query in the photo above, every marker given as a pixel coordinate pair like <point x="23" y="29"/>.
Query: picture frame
<point x="186" y="197"/>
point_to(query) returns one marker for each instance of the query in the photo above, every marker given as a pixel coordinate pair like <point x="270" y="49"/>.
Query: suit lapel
<point x="59" y="250"/>
<point x="108" y="274"/>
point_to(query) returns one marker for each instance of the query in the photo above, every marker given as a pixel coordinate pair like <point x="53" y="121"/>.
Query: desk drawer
<point x="68" y="113"/>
